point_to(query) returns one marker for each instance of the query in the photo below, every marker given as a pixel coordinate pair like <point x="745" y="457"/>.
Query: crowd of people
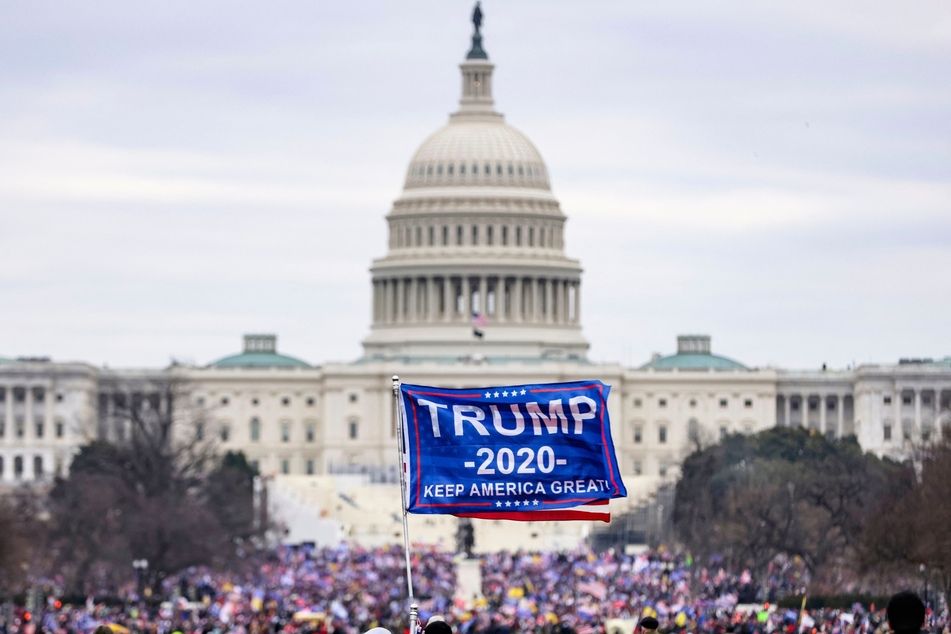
<point x="349" y="589"/>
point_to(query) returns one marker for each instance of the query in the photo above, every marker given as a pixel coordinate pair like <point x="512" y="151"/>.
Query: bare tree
<point x="144" y="493"/>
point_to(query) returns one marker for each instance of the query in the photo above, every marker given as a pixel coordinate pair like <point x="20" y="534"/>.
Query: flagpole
<point x="413" y="608"/>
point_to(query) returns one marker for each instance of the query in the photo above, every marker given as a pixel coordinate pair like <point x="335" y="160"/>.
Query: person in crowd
<point x="905" y="613"/>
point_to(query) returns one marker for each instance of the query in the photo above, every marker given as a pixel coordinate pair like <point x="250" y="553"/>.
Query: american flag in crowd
<point x="595" y="588"/>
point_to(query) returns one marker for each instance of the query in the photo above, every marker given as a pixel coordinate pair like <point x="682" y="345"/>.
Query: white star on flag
<point x="523" y="392"/>
<point x="508" y="504"/>
<point x="500" y="504"/>
<point x="505" y="393"/>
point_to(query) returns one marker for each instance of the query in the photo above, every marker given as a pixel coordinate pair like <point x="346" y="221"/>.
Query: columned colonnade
<point x="831" y="413"/>
<point x="455" y="298"/>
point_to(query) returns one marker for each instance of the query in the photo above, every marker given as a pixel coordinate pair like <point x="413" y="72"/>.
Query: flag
<point x="595" y="588"/>
<point x="538" y="452"/>
<point x="479" y="321"/>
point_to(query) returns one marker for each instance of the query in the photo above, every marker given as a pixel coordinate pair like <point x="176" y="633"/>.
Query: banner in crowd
<point x="523" y="452"/>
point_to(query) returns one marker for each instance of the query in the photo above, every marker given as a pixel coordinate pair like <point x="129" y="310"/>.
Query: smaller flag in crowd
<point x="595" y="588"/>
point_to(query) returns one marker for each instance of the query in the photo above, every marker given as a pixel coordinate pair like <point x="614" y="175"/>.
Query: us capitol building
<point x="475" y="288"/>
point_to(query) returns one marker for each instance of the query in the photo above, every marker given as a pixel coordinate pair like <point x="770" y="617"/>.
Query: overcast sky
<point x="775" y="174"/>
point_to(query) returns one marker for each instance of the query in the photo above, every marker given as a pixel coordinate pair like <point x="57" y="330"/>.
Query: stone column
<point x="566" y="302"/>
<point x="448" y="298"/>
<point x="483" y="295"/>
<point x="431" y="297"/>
<point x="787" y="410"/>
<point x="535" y="282"/>
<point x="390" y="300"/>
<point x="549" y="300"/>
<point x="400" y="296"/>
<point x="578" y="301"/>
<point x="822" y="413"/>
<point x="413" y="299"/>
<point x="517" y="300"/>
<point x="466" y="299"/>
<point x="840" y="404"/>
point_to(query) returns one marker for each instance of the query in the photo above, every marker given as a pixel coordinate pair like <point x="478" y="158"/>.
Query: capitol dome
<point x="477" y="151"/>
<point x="476" y="266"/>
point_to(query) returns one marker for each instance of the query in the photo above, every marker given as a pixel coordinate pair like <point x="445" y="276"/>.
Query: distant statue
<point x="477" y="17"/>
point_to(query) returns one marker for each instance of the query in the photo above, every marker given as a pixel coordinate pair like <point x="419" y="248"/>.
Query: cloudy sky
<point x="176" y="174"/>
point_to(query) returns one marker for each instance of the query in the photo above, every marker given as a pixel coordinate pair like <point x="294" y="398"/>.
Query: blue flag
<point x="528" y="452"/>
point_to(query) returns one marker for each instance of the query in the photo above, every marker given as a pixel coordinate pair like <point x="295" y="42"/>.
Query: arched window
<point x="488" y="169"/>
<point x="488" y="235"/>
<point x="38" y="466"/>
<point x="18" y="467"/>
<point x="255" y="430"/>
<point x="459" y="235"/>
<point x="432" y="236"/>
<point x="518" y="236"/>
<point x="505" y="236"/>
<point x="445" y="235"/>
<point x="462" y="169"/>
<point x="439" y="170"/>
<point x="475" y="234"/>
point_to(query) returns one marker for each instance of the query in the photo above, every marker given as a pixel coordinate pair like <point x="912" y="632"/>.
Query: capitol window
<point x="459" y="235"/>
<point x="887" y="432"/>
<point x="531" y="236"/>
<point x="285" y="432"/>
<point x="662" y="434"/>
<point x="521" y="171"/>
<point x="432" y="236"/>
<point x="488" y="235"/>
<point x="488" y="169"/>
<point x="505" y="236"/>
<point x="887" y="400"/>
<point x="498" y="169"/>
<point x="511" y="171"/>
<point x="353" y="428"/>
<point x="723" y="402"/>
<point x="445" y="235"/>
<point x="439" y="170"/>
<point x="518" y="236"/>
<point x="475" y="234"/>
<point x="255" y="430"/>
<point x="462" y="169"/>
<point x="429" y="170"/>
<point x="475" y="169"/>
<point x="638" y="434"/>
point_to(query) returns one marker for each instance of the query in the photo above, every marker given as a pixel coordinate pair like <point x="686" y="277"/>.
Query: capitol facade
<point x="476" y="288"/>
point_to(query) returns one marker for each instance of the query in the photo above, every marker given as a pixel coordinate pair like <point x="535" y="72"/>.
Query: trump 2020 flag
<point x="521" y="452"/>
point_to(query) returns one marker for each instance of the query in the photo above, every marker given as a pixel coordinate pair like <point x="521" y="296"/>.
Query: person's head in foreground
<point x="437" y="627"/>
<point x="649" y="624"/>
<point x="906" y="613"/>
